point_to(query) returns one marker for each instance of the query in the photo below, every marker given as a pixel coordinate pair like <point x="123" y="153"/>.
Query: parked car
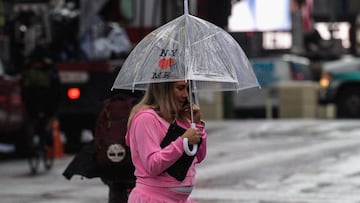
<point x="340" y="85"/>
<point x="13" y="125"/>
<point x="270" y="71"/>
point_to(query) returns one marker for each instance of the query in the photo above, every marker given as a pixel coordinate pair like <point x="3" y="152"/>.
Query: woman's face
<point x="181" y="94"/>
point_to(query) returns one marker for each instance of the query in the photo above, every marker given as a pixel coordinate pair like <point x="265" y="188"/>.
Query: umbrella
<point x="188" y="48"/>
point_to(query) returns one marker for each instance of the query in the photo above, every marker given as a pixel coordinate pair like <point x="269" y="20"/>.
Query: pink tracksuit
<point x="153" y="185"/>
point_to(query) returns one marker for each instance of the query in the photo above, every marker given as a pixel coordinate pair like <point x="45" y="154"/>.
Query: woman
<point x="162" y="105"/>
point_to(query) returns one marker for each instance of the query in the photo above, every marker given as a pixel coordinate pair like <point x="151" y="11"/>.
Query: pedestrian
<point x="163" y="105"/>
<point x="40" y="91"/>
<point x="119" y="187"/>
<point x="118" y="190"/>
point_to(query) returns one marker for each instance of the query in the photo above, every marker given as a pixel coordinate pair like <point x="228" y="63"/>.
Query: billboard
<point x="260" y="16"/>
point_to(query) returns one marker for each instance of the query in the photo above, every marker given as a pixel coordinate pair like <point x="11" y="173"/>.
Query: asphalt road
<point x="293" y="161"/>
<point x="252" y="161"/>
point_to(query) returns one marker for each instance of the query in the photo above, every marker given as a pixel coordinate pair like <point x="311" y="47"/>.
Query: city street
<point x="284" y="75"/>
<point x="248" y="161"/>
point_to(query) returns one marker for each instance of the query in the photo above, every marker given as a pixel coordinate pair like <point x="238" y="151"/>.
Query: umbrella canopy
<point x="188" y="48"/>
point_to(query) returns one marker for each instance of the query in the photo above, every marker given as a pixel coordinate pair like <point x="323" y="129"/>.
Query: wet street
<point x="252" y="161"/>
<point x="282" y="162"/>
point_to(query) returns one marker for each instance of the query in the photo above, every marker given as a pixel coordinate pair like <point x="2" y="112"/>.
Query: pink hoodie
<point x="144" y="136"/>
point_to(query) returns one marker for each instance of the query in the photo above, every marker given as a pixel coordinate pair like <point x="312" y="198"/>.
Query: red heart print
<point x="165" y="63"/>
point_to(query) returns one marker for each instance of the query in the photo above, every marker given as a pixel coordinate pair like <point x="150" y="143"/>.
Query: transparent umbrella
<point x="188" y="48"/>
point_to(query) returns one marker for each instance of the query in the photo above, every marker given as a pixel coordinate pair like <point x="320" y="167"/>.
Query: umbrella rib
<point x="148" y="48"/>
<point x="205" y="38"/>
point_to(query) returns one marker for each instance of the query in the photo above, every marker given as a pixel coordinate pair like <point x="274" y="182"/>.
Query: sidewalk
<point x="18" y="186"/>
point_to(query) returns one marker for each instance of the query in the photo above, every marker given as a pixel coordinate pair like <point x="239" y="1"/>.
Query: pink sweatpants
<point x="149" y="194"/>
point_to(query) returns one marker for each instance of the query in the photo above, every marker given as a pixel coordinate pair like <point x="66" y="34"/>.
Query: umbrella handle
<point x="186" y="145"/>
<point x="187" y="149"/>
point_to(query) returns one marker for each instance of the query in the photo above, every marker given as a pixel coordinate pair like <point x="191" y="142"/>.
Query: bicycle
<point x="41" y="145"/>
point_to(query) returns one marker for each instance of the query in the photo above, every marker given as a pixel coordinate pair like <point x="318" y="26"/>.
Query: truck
<point x="340" y="86"/>
<point x="85" y="81"/>
<point x="13" y="123"/>
<point x="84" y="86"/>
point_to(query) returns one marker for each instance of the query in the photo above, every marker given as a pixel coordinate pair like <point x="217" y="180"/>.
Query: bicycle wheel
<point x="48" y="157"/>
<point x="34" y="155"/>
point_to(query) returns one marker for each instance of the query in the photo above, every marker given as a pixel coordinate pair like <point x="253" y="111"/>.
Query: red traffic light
<point x="73" y="93"/>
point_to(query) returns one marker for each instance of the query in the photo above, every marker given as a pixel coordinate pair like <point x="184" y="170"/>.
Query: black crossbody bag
<point x="180" y="168"/>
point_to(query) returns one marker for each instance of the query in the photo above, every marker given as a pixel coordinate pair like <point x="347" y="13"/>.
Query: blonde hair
<point x="159" y="96"/>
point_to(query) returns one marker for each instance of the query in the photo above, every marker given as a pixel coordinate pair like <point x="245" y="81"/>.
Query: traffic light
<point x="73" y="93"/>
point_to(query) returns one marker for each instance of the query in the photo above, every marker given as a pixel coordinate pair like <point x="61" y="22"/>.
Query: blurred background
<point x="304" y="53"/>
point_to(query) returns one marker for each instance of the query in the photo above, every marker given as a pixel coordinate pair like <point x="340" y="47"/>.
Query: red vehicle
<point x="84" y="86"/>
<point x="13" y="125"/>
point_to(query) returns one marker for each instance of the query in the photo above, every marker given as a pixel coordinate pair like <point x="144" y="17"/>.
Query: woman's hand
<point x="193" y="135"/>
<point x="186" y="113"/>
